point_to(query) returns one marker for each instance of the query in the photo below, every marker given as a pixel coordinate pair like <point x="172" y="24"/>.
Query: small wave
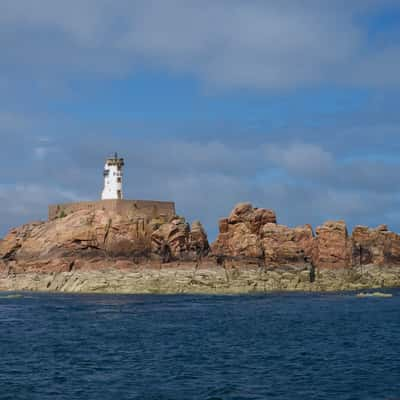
<point x="12" y="296"/>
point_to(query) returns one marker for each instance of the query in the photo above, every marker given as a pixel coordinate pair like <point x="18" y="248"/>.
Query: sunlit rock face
<point x="253" y="233"/>
<point x="101" y="240"/>
<point x="332" y="245"/>
<point x="84" y="237"/>
<point x="376" y="246"/>
<point x="240" y="233"/>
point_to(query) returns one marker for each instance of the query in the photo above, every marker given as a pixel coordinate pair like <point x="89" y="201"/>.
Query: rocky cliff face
<point x="282" y="245"/>
<point x="332" y="246"/>
<point x="251" y="233"/>
<point x="83" y="238"/>
<point x="376" y="246"/>
<point x="240" y="233"/>
<point x="248" y="238"/>
<point x="176" y="239"/>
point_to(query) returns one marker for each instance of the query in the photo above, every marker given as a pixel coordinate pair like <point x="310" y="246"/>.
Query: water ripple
<point x="279" y="346"/>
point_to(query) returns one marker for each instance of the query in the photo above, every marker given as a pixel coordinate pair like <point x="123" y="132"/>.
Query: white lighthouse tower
<point x="113" y="178"/>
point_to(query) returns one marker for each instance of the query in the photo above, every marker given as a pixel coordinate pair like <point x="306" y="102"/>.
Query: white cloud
<point x="301" y="159"/>
<point x="251" y="44"/>
<point x="40" y="153"/>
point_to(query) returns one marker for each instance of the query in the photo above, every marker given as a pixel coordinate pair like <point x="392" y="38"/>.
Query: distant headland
<point x="116" y="245"/>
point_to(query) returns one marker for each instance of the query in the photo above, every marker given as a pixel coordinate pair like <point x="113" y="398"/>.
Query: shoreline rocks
<point x="190" y="278"/>
<point x="251" y="253"/>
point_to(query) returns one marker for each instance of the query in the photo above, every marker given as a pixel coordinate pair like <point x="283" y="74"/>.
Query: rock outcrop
<point x="204" y="278"/>
<point x="176" y="239"/>
<point x="198" y="241"/>
<point x="84" y="237"/>
<point x="376" y="246"/>
<point x="332" y="245"/>
<point x="253" y="234"/>
<point x="99" y="250"/>
<point x="282" y="245"/>
<point x="239" y="234"/>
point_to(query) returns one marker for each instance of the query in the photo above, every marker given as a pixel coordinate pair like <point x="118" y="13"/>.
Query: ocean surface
<point x="277" y="346"/>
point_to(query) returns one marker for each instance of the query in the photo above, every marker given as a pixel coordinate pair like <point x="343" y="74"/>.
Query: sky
<point x="289" y="105"/>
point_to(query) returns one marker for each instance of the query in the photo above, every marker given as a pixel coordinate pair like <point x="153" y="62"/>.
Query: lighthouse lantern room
<point x="113" y="178"/>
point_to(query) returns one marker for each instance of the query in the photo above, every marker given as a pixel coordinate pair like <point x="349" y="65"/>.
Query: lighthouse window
<point x="119" y="179"/>
<point x="106" y="172"/>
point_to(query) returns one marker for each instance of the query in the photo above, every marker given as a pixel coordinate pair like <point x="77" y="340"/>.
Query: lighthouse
<point x="112" y="202"/>
<point x="113" y="178"/>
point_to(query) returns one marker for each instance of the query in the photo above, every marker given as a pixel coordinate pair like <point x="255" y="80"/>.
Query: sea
<point x="163" y="347"/>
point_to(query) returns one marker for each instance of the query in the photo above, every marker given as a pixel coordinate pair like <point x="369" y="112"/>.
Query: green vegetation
<point x="62" y="214"/>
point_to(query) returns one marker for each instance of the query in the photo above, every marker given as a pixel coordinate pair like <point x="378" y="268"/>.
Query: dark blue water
<point x="286" y="346"/>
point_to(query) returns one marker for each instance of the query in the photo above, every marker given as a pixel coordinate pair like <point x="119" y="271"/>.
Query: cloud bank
<point x="241" y="44"/>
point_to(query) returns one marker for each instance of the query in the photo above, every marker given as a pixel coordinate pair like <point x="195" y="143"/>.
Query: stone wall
<point x="130" y="209"/>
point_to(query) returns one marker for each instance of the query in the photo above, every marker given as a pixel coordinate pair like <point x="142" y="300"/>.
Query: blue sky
<point x="289" y="105"/>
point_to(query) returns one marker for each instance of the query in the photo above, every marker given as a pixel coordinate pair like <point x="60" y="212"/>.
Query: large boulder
<point x="76" y="234"/>
<point x="254" y="218"/>
<point x="15" y="239"/>
<point x="377" y="246"/>
<point x="251" y="232"/>
<point x="287" y="246"/>
<point x="198" y="242"/>
<point x="332" y="246"/>
<point x="172" y="237"/>
<point x="238" y="241"/>
<point x="239" y="234"/>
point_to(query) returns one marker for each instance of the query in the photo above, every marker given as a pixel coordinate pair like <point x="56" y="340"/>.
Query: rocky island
<point x="100" y="250"/>
<point x="136" y="246"/>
